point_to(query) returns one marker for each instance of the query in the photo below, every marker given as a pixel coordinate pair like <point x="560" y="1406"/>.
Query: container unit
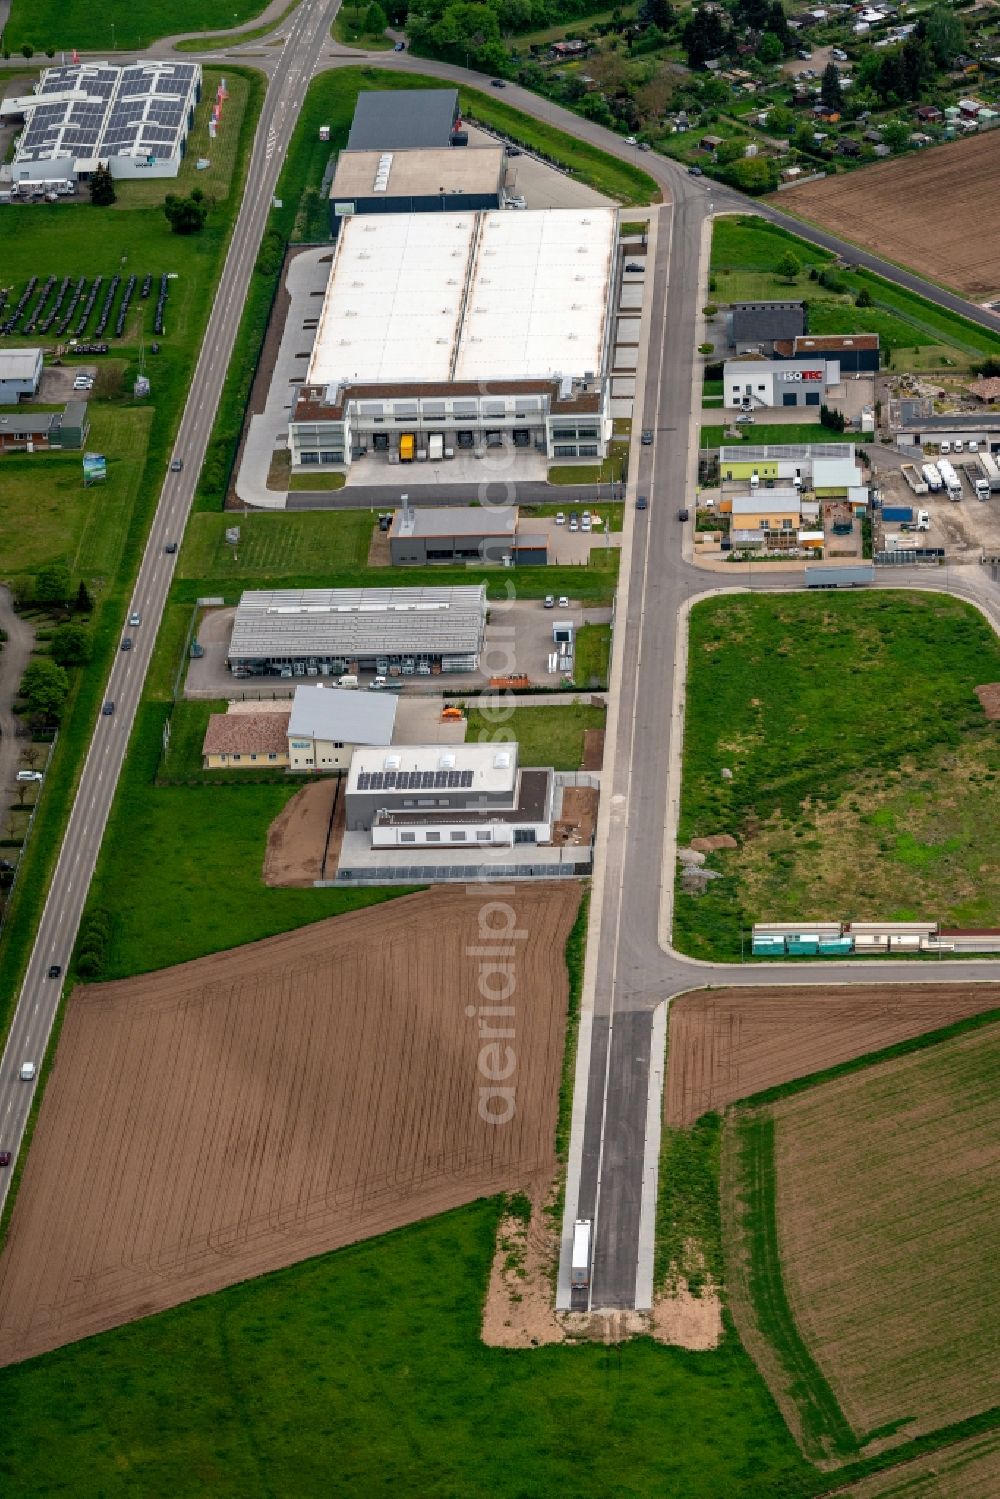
<point x="580" y="1263"/>
<point x="839" y="577"/>
<point x="897" y="513"/>
<point x="913" y="478"/>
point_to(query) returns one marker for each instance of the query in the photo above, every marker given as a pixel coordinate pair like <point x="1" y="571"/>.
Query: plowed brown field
<point x="902" y="211"/>
<point x="229" y="1116"/>
<point x="726" y="1044"/>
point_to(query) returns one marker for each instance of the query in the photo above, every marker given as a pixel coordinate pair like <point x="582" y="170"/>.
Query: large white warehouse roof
<point x="429" y="298"/>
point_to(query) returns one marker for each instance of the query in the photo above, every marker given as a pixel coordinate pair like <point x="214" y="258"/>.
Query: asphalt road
<point x="39" y="999"/>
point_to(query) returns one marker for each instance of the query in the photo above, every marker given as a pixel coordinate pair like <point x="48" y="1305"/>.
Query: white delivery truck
<point x="435" y="446"/>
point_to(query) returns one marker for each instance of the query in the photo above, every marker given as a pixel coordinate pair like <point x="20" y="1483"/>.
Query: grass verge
<point x="592" y="658"/>
<point x="63" y="26"/>
<point x="226" y="39"/>
<point x="547" y="736"/>
<point x="688" y="1223"/>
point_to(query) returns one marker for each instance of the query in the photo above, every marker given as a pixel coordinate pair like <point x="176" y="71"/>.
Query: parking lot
<point x="965" y="527"/>
<point x="518" y="640"/>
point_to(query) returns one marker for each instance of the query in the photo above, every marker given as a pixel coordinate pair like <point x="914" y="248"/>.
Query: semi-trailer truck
<point x="950" y="479"/>
<point x="839" y="577"/>
<point x="579" y="1277"/>
<point x="990" y="470"/>
<point x="932" y="477"/>
<point x="435" y="447"/>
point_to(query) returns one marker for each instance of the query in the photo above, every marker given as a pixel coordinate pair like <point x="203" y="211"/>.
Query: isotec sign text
<point x="800" y="374"/>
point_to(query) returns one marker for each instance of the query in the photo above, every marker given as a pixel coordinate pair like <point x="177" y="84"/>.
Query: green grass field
<point x="913" y="333"/>
<point x="857" y="1245"/>
<point x="253" y="34"/>
<point x="547" y="736"/>
<point x="592" y="657"/>
<point x="180" y="867"/>
<point x="362" y="1372"/>
<point x="866" y="781"/>
<point x="348" y="29"/>
<point x="47" y="23"/>
<point x="216" y="180"/>
<point x="594" y="582"/>
<point x="762" y="432"/>
<point x="274" y="546"/>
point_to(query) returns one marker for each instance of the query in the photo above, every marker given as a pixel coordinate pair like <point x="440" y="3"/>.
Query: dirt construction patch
<point x="224" y="1118"/>
<point x="989" y="696"/>
<point x="727" y="1044"/>
<point x="303" y="841"/>
<point x="916" y="194"/>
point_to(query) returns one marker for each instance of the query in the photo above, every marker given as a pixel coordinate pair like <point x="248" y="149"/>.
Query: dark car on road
<point x="127" y="643"/>
<point x="695" y="172"/>
<point x="497" y="83"/>
<point x="683" y="514"/>
<point x="176" y="464"/>
<point x="4" y="1157"/>
<point x="55" y="972"/>
<point x="399" y="47"/>
<point x="647" y="437"/>
<point x="108" y="708"/>
<point x="170" y="547"/>
<point x="640" y="503"/>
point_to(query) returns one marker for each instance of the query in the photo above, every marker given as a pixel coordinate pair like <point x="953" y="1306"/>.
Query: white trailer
<point x="932" y="478"/>
<point x="990" y="470"/>
<point x="950" y="479"/>
<point x="579" y="1277"/>
<point x="435" y="447"/>
<point x="913" y="479"/>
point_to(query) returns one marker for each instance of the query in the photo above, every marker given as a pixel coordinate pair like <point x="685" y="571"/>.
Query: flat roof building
<point x="20" y="372"/>
<point x="448" y="796"/>
<point x="757" y="383"/>
<point x="135" y="118"/>
<point x="437" y="179"/>
<point x="857" y="353"/>
<point x="329" y="723"/>
<point x="324" y="631"/>
<point x="472" y="326"/>
<point x="463" y="533"/>
<point x="403" y="119"/>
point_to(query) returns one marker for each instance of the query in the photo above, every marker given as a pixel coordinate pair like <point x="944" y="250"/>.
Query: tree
<point x="730" y="150"/>
<point x="186" y="215"/>
<point x="44" y="688"/>
<point x="864" y="298"/>
<point x="896" y="135"/>
<point x="789" y="266"/>
<point x="834" y="421"/>
<point x="830" y="91"/>
<point x="52" y="584"/>
<point x="657" y="13"/>
<point x="376" y="19"/>
<point x="102" y="188"/>
<point x="704" y="37"/>
<point x="770" y="49"/>
<point x="753" y="174"/>
<point x="27" y="50"/>
<point x="83" y="603"/>
<point x="71" y="645"/>
<point x="944" y="33"/>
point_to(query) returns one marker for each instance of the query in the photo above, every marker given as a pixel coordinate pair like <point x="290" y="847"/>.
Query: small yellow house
<point x="767" y="510"/>
<point x="246" y="741"/>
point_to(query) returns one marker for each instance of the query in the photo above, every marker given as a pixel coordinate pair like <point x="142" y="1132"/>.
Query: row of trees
<point x="46" y="683"/>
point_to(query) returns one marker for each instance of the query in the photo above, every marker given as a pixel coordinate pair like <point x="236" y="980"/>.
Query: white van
<point x="29" y="775"/>
<point x="957" y="445"/>
<point x="27" y="1072"/>
<point x="347" y="681"/>
<point x="945" y="448"/>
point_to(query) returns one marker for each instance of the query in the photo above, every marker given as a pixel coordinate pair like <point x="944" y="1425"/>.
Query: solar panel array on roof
<point x="414" y="780"/>
<point x="96" y="110"/>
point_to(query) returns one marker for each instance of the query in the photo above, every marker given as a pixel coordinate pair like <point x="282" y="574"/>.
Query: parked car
<point x="497" y="83"/>
<point x="635" y="265"/>
<point x="563" y="601"/>
<point x="108" y="708"/>
<point x="641" y="502"/>
<point x="630" y="140"/>
<point x="695" y="172"/>
<point x="683" y="514"/>
<point x="550" y="602"/>
<point x="399" y="47"/>
<point x="574" y="525"/>
<point x="574" y="517"/>
<point x="745" y="419"/>
<point x="647" y="437"/>
<point x="560" y="517"/>
<point x="645" y="146"/>
<point x="29" y="775"/>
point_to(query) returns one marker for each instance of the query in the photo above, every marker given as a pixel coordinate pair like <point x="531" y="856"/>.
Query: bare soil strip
<point x="230" y="1116"/>
<point x="726" y="1044"/>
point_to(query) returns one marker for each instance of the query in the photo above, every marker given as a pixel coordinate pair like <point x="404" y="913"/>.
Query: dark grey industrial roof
<point x="953" y="421"/>
<point x="343" y="716"/>
<point x="350" y="622"/>
<point x="402" y="119"/>
<point x="456" y="520"/>
<point x="763" y="322"/>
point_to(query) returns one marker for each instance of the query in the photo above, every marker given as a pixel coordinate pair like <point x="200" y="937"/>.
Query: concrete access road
<point x="40" y="994"/>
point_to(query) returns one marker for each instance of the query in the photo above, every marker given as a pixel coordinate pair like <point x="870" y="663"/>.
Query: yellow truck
<point x="406" y="447"/>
